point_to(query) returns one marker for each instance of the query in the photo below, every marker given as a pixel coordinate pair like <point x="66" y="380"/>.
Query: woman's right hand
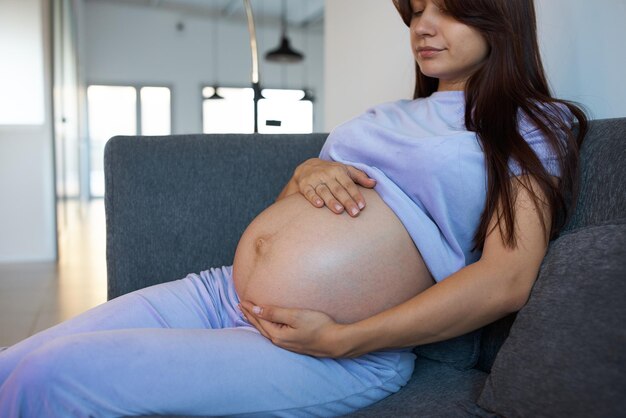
<point x="332" y="184"/>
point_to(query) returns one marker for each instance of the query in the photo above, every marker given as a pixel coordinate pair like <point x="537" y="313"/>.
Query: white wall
<point x="27" y="214"/>
<point x="584" y="52"/>
<point x="134" y="44"/>
<point x="368" y="60"/>
<point x="367" y="57"/>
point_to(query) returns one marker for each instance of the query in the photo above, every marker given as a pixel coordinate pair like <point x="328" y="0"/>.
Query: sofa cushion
<point x="492" y="338"/>
<point x="435" y="390"/>
<point x="603" y="174"/>
<point x="461" y="352"/>
<point x="565" y="353"/>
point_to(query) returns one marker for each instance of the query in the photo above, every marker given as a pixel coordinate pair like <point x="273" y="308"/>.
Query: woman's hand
<point x="332" y="184"/>
<point x="299" y="330"/>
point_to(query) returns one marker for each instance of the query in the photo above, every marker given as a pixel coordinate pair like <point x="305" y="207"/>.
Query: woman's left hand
<point x="299" y="330"/>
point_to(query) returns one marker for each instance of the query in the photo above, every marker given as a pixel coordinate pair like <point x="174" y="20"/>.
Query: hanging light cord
<point x="215" y="51"/>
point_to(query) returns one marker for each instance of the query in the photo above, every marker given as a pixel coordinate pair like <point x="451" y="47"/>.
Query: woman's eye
<point x="418" y="13"/>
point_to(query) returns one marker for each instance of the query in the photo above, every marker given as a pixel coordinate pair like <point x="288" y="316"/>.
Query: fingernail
<point x="354" y="211"/>
<point x="361" y="205"/>
<point x="257" y="310"/>
<point x="338" y="207"/>
<point x="318" y="202"/>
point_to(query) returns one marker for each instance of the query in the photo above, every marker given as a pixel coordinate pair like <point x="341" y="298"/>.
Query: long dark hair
<point x="510" y="83"/>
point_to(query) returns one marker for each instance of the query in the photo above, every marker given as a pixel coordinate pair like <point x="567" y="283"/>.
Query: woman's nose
<point x="426" y="24"/>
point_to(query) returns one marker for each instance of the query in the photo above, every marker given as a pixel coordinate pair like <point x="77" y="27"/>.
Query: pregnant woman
<point x="421" y="220"/>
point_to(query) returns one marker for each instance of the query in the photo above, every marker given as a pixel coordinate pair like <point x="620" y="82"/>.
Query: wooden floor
<point x="35" y="296"/>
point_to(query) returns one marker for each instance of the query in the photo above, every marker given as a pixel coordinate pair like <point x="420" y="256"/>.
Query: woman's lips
<point x="428" y="52"/>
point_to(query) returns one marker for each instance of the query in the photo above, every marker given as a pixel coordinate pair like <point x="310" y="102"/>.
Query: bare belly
<point x="296" y="255"/>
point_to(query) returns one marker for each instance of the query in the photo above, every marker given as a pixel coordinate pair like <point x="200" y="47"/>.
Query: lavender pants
<point x="183" y="348"/>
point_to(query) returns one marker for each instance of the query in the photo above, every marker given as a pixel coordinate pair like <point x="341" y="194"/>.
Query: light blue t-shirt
<point x="429" y="170"/>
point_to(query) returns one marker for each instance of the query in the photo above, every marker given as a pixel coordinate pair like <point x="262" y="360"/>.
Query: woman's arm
<point x="329" y="183"/>
<point x="498" y="284"/>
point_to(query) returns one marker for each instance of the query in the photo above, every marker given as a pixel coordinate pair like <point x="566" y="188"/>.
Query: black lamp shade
<point x="215" y="95"/>
<point x="284" y="53"/>
<point x="308" y="96"/>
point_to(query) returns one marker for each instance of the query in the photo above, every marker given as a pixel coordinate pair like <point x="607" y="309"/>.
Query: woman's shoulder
<point x="556" y="116"/>
<point x="390" y="107"/>
<point x="443" y="99"/>
<point x="383" y="114"/>
<point x="536" y="127"/>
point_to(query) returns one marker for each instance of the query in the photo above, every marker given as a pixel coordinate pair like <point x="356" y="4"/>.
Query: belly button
<point x="261" y="245"/>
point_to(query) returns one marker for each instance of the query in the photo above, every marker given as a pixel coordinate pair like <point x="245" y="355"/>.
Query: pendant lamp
<point x="308" y="96"/>
<point x="284" y="53"/>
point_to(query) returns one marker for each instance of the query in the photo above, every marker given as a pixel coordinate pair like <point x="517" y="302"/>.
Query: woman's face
<point x="443" y="47"/>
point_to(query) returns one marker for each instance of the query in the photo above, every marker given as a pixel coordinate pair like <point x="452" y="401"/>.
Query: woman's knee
<point x="45" y="381"/>
<point x="32" y="381"/>
<point x="51" y="366"/>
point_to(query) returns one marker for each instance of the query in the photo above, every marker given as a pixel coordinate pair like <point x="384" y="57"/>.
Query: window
<point x="280" y="111"/>
<point x="122" y="110"/>
<point x="156" y="111"/>
<point x="232" y="114"/>
<point x="283" y="111"/>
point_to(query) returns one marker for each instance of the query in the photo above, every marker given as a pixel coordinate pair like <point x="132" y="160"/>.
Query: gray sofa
<point x="178" y="204"/>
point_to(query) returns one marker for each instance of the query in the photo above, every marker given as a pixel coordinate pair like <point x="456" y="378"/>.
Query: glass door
<point x="122" y="110"/>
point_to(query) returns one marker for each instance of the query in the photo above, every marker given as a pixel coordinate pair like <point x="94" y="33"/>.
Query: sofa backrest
<point x="603" y="172"/>
<point x="602" y="198"/>
<point x="175" y="204"/>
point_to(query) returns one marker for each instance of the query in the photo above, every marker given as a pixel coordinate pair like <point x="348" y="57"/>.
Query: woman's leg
<point x="193" y="372"/>
<point x="192" y="302"/>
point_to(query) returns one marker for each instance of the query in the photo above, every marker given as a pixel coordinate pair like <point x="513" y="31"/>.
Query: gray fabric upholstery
<point x="602" y="197"/>
<point x="435" y="390"/>
<point x="492" y="338"/>
<point x="603" y="175"/>
<point x="565" y="355"/>
<point x="461" y="353"/>
<point x="178" y="204"/>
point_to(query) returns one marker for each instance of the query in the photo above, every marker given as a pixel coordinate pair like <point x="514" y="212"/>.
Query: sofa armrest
<point x="178" y="204"/>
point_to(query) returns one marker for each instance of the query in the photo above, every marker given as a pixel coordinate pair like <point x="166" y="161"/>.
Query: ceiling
<point x="300" y="13"/>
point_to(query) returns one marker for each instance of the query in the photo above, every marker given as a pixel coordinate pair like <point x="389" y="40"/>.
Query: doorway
<point x="122" y="110"/>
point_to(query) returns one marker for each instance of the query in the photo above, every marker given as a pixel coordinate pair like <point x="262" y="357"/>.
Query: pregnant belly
<point x="296" y="255"/>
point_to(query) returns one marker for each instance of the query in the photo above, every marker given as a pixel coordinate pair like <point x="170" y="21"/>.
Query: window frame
<point x="204" y="98"/>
